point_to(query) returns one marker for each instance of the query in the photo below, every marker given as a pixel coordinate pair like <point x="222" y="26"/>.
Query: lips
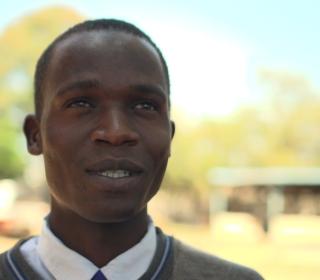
<point x="115" y="168"/>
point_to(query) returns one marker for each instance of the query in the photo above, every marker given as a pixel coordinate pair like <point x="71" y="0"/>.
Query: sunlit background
<point x="246" y="102"/>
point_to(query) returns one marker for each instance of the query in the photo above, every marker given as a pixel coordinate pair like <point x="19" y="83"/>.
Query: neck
<point x="98" y="242"/>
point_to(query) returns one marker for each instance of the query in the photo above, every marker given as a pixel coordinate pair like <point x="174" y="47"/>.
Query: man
<point x="103" y="125"/>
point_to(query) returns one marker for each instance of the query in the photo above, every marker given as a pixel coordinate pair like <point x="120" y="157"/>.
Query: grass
<point x="273" y="261"/>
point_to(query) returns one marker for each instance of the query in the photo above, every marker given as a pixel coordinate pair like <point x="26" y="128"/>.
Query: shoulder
<point x="190" y="263"/>
<point x="10" y="259"/>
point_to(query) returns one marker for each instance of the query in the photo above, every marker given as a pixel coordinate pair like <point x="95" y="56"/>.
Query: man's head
<point x="103" y="122"/>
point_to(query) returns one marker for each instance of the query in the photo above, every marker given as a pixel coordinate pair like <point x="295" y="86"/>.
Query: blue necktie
<point x="99" y="276"/>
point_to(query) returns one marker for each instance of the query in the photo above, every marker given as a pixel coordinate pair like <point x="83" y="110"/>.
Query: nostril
<point x="115" y="137"/>
<point x="98" y="134"/>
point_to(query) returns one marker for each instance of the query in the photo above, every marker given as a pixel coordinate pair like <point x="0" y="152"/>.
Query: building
<point x="265" y="192"/>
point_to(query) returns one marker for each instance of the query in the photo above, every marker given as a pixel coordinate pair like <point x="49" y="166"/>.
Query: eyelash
<point x="146" y="105"/>
<point x="84" y="103"/>
<point x="76" y="104"/>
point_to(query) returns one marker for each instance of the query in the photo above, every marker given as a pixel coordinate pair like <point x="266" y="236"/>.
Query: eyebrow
<point x="93" y="83"/>
<point x="81" y="84"/>
<point x="149" y="89"/>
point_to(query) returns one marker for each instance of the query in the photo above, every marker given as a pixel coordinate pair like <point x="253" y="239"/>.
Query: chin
<point x="114" y="216"/>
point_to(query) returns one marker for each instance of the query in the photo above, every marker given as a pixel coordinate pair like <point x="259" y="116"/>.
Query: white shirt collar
<point x="64" y="263"/>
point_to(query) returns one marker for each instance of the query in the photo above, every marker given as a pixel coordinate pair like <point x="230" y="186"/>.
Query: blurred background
<point x="243" y="180"/>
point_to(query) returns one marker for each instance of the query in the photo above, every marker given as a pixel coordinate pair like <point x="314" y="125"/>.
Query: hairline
<point x="46" y="57"/>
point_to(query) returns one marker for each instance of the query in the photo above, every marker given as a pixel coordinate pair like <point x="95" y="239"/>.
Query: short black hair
<point x="89" y="25"/>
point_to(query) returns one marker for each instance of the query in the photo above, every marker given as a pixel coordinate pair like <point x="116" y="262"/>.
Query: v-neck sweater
<point x="173" y="260"/>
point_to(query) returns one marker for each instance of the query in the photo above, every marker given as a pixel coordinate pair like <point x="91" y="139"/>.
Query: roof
<point x="222" y="176"/>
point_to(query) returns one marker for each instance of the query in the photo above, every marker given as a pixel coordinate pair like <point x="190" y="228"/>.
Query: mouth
<point x="115" y="169"/>
<point x="115" y="174"/>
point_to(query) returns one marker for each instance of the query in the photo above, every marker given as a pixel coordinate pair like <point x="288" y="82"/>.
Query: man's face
<point x="105" y="129"/>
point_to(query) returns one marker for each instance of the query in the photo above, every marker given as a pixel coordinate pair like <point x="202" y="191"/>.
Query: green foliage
<point x="11" y="163"/>
<point x="20" y="46"/>
<point x="283" y="130"/>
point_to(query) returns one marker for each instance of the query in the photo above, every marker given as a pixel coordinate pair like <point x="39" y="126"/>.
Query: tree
<point x="20" y="46"/>
<point x="280" y="131"/>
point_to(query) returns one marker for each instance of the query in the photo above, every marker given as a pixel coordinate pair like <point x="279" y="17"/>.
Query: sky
<point x="214" y="49"/>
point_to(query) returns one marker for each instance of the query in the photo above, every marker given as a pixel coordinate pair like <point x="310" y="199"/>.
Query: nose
<point x="115" y="129"/>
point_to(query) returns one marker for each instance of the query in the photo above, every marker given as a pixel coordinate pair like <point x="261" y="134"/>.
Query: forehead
<point x="114" y="57"/>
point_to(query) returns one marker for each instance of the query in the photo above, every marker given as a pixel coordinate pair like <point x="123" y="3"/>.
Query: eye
<point x="145" y="105"/>
<point x="80" y="103"/>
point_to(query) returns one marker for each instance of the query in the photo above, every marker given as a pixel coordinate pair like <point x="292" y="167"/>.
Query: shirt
<point x="53" y="260"/>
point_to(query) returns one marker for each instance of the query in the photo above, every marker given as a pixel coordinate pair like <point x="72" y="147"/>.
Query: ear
<point x="173" y="129"/>
<point x="31" y="129"/>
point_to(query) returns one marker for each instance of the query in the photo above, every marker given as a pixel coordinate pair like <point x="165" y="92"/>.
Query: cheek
<point x="59" y="149"/>
<point x="157" y="180"/>
<point x="59" y="137"/>
<point x="158" y="142"/>
<point x="162" y="146"/>
<point x="159" y="148"/>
